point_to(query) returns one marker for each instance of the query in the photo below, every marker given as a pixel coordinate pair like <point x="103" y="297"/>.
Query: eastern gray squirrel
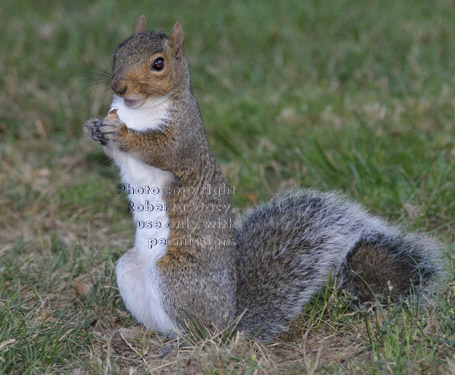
<point x="280" y="254"/>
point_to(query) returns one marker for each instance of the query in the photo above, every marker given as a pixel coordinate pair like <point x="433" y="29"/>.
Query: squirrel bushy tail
<point x="289" y="246"/>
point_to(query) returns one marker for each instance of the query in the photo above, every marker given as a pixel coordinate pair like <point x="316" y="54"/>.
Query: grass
<point x="349" y="96"/>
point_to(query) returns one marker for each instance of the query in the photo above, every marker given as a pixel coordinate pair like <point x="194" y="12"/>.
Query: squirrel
<point x="260" y="271"/>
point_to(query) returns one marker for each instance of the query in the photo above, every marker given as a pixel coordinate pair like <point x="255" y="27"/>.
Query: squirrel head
<point x="150" y="64"/>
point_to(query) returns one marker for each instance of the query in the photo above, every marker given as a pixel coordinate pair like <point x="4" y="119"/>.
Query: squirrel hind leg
<point x="373" y="271"/>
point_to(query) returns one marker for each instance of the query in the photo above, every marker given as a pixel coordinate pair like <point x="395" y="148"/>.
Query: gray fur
<point x="288" y="247"/>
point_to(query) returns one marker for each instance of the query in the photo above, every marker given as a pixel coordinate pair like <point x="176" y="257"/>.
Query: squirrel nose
<point x="119" y="87"/>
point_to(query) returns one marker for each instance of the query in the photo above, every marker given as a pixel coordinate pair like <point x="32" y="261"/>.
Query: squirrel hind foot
<point x="374" y="271"/>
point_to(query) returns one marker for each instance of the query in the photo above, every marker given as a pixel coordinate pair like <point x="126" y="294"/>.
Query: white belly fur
<point x="137" y="276"/>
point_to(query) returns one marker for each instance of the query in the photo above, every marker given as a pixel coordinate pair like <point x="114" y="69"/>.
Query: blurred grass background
<point x="348" y="95"/>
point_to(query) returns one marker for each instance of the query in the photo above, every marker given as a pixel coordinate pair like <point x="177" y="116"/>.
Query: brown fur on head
<point x="150" y="64"/>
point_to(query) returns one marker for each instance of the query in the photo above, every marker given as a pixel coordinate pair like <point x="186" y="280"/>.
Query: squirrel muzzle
<point x="119" y="87"/>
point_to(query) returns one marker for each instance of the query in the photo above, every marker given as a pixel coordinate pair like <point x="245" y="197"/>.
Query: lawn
<point x="353" y="96"/>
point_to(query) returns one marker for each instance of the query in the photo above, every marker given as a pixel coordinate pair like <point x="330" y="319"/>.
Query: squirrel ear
<point x="176" y="40"/>
<point x="140" y="24"/>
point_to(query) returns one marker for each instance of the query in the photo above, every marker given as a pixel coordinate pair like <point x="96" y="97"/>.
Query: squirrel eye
<point x="158" y="64"/>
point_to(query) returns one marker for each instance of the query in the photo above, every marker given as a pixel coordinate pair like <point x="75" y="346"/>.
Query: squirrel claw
<point x="92" y="130"/>
<point x="111" y="129"/>
<point x="103" y="131"/>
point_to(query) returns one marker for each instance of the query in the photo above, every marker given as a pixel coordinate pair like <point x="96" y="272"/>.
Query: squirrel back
<point x="282" y="252"/>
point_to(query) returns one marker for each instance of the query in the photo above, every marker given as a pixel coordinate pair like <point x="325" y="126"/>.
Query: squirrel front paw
<point x="92" y="130"/>
<point x="107" y="132"/>
<point x="112" y="131"/>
